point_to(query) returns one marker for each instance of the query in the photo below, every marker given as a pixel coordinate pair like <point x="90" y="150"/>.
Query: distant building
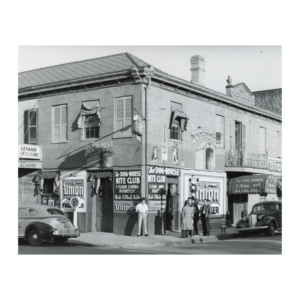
<point x="113" y="129"/>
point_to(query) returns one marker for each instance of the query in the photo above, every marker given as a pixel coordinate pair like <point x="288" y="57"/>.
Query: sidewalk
<point x="104" y="239"/>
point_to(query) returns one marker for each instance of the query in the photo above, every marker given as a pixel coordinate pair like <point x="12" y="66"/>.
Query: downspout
<point x="146" y="131"/>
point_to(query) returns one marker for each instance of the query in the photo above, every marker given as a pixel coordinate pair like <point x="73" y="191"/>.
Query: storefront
<point x="29" y="164"/>
<point x="206" y="185"/>
<point x="245" y="191"/>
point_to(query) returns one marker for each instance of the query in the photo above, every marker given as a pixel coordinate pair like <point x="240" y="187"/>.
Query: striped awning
<point x="49" y="174"/>
<point x="100" y="174"/>
<point x="253" y="184"/>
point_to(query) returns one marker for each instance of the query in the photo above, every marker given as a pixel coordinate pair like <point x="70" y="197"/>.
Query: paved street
<point x="251" y="245"/>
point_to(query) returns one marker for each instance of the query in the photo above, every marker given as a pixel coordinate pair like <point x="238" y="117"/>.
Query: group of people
<point x="191" y="213"/>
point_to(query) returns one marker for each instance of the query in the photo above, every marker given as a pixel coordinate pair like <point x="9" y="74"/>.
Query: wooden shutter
<point x="63" y="124"/>
<point x="232" y="135"/>
<point x="244" y="137"/>
<point x="26" y="125"/>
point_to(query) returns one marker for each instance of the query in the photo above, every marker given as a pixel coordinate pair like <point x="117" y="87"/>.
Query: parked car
<point x="265" y="217"/>
<point x="42" y="222"/>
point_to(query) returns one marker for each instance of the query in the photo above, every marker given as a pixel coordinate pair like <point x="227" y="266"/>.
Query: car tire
<point x="61" y="241"/>
<point x="34" y="238"/>
<point x="271" y="229"/>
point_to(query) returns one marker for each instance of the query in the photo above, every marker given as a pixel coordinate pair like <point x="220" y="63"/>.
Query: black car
<point x="265" y="217"/>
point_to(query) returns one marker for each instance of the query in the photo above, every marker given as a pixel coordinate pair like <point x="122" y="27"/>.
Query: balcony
<point x="234" y="158"/>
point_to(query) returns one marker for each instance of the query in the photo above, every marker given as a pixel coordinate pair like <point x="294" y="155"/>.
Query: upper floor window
<point x="175" y="131"/>
<point x="59" y="123"/>
<point x="220" y="131"/>
<point x="91" y="127"/>
<point x="30" y="127"/>
<point x="123" y="117"/>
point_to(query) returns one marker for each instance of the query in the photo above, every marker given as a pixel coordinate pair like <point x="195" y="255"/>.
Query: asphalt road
<point x="249" y="245"/>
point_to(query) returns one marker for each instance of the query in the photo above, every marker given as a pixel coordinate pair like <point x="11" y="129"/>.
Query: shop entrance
<point x="172" y="207"/>
<point x="237" y="205"/>
<point x="104" y="206"/>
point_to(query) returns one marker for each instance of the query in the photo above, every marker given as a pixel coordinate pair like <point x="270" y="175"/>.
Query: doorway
<point x="172" y="207"/>
<point x="237" y="205"/>
<point x="104" y="206"/>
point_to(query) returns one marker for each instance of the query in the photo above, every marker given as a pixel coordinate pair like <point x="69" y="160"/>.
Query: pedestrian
<point x="142" y="210"/>
<point x="181" y="220"/>
<point x="196" y="216"/>
<point x="187" y="218"/>
<point x="205" y="214"/>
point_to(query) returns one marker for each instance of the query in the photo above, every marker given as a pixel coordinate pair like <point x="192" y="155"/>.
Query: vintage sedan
<point x="42" y="222"/>
<point x="265" y="217"/>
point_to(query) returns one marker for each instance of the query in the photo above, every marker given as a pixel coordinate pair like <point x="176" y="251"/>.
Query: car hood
<point x="262" y="212"/>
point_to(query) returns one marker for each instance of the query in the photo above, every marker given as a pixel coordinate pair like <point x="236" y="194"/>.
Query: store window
<point x="123" y="117"/>
<point x="59" y="123"/>
<point x="30" y="127"/>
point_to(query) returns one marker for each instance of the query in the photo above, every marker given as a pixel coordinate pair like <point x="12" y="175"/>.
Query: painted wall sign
<point x="96" y="146"/>
<point x="154" y="155"/>
<point x="164" y="148"/>
<point x="157" y="206"/>
<point x="208" y="190"/>
<point x="125" y="206"/>
<point x="157" y="187"/>
<point x="175" y="156"/>
<point x="30" y="151"/>
<point x="201" y="134"/>
<point x="127" y="185"/>
<point x="30" y="164"/>
<point x="164" y="171"/>
<point x="73" y="189"/>
<point x="27" y="188"/>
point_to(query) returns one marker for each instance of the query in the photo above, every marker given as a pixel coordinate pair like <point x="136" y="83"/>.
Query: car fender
<point x="268" y="220"/>
<point x="241" y="224"/>
<point x="43" y="228"/>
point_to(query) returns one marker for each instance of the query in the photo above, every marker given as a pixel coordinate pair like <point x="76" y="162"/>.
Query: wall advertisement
<point x="73" y="195"/>
<point x="127" y="190"/>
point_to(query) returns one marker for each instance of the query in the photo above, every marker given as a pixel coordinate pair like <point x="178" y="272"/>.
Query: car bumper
<point x="66" y="234"/>
<point x="252" y="228"/>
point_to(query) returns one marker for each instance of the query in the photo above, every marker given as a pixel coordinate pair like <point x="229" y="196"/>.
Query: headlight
<point x="259" y="217"/>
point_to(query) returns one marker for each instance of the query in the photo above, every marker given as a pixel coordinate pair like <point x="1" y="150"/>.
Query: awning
<point x="88" y="109"/>
<point x="253" y="184"/>
<point x="180" y="116"/>
<point x="279" y="184"/>
<point x="102" y="174"/>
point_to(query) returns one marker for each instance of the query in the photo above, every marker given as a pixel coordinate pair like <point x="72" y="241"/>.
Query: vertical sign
<point x="127" y="190"/>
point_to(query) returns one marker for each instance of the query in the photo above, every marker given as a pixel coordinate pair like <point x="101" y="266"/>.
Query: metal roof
<point x="79" y="70"/>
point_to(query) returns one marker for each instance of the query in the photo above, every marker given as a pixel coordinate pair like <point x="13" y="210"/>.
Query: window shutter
<point x="26" y="124"/>
<point x="244" y="137"/>
<point x="232" y="135"/>
<point x="63" y="110"/>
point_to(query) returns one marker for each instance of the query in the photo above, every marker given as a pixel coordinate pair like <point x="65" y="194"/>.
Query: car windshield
<point x="264" y="207"/>
<point x="54" y="211"/>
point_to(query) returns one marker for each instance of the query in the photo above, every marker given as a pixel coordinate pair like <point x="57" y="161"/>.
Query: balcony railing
<point x="234" y="158"/>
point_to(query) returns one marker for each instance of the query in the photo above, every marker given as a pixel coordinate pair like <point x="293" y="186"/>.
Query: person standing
<point x="205" y="214"/>
<point x="187" y="218"/>
<point x="142" y="210"/>
<point x="196" y="216"/>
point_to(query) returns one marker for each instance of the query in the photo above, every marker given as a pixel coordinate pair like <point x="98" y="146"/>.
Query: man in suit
<point x="205" y="214"/>
<point x="196" y="216"/>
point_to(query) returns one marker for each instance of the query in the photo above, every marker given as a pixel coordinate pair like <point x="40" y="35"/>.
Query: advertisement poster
<point x="73" y="194"/>
<point x="127" y="190"/>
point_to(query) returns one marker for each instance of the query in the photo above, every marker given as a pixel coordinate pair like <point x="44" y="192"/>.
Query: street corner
<point x="198" y="239"/>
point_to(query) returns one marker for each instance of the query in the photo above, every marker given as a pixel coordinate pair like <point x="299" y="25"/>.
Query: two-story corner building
<point x="115" y="128"/>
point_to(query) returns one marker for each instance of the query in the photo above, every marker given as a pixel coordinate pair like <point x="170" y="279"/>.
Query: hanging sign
<point x="30" y="151"/>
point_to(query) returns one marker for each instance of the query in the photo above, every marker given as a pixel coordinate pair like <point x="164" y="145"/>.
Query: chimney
<point x="198" y="69"/>
<point x="229" y="87"/>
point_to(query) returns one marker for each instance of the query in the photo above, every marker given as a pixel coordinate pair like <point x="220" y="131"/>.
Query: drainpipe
<point x="146" y="131"/>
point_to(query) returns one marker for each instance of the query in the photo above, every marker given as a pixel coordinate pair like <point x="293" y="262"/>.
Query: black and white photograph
<point x="90" y="132"/>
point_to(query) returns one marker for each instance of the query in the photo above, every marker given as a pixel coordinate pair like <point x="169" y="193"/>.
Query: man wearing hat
<point x="142" y="210"/>
<point x="205" y="218"/>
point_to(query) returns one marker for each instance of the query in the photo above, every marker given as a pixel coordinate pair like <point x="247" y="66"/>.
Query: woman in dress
<point x="187" y="218"/>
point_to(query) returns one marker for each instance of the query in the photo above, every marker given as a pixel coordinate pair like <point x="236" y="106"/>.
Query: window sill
<point x="90" y="140"/>
<point x="59" y="142"/>
<point x="122" y="137"/>
<point x="176" y="141"/>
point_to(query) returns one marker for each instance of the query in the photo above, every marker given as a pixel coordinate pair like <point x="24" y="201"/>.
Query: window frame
<point x="27" y="128"/>
<point x="119" y="135"/>
<point x="221" y="144"/>
<point x="175" y="105"/>
<point x="60" y="140"/>
<point x="84" y="129"/>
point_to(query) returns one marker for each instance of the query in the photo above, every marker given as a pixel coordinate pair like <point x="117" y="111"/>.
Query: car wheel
<point x="61" y="241"/>
<point x="271" y="229"/>
<point x="34" y="238"/>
